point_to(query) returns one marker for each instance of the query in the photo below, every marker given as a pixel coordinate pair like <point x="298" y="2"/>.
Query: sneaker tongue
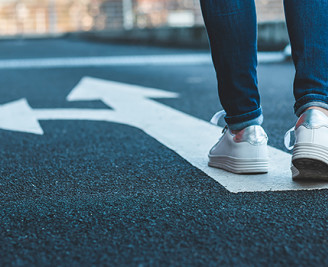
<point x="288" y="139"/>
<point x="217" y="116"/>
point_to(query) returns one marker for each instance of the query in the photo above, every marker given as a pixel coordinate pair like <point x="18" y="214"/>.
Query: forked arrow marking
<point x="188" y="136"/>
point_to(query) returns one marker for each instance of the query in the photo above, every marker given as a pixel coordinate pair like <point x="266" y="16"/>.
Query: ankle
<point x="235" y="131"/>
<point x="323" y="110"/>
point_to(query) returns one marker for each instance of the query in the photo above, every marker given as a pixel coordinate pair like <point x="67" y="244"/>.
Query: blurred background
<point x="51" y="17"/>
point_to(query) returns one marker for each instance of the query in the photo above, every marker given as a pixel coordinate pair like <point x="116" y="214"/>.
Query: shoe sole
<point x="310" y="162"/>
<point x="240" y="166"/>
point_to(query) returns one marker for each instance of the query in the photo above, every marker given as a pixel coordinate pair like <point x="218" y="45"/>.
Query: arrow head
<point x="97" y="89"/>
<point x="18" y="116"/>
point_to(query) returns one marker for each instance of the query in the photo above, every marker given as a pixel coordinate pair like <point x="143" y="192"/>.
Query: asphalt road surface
<point x="88" y="192"/>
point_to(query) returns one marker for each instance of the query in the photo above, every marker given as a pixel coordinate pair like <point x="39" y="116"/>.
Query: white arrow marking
<point x="19" y="116"/>
<point x="188" y="136"/>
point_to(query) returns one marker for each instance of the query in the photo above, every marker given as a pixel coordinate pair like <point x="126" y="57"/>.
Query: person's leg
<point x="232" y="32"/>
<point x="307" y="23"/>
<point x="231" y="27"/>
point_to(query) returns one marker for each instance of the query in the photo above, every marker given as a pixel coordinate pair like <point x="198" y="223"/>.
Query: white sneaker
<point x="244" y="152"/>
<point x="310" y="155"/>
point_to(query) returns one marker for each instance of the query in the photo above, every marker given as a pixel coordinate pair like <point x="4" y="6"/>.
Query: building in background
<point x="19" y="17"/>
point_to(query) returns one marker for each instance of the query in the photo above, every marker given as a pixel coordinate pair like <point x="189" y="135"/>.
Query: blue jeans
<point x="232" y="30"/>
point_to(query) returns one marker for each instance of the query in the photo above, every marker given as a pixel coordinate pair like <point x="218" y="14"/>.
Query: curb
<point x="272" y="36"/>
<point x="32" y="36"/>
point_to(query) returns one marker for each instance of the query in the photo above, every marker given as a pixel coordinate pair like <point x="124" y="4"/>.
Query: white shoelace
<point x="288" y="138"/>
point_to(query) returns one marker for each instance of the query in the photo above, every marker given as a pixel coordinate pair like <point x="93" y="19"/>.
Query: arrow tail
<point x="77" y="114"/>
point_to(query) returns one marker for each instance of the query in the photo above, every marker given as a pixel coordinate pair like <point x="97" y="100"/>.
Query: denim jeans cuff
<point x="310" y="100"/>
<point x="242" y="121"/>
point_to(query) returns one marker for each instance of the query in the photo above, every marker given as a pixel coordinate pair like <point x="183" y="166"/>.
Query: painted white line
<point x="160" y="60"/>
<point x="271" y="57"/>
